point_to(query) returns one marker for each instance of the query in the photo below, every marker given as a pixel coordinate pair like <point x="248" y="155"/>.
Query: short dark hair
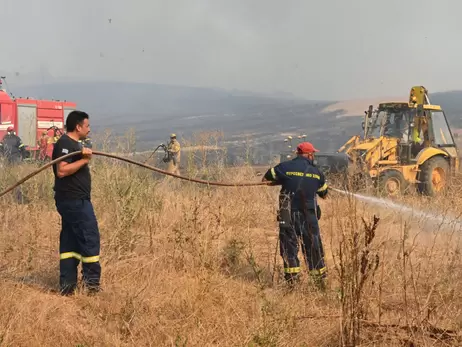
<point x="74" y="118"/>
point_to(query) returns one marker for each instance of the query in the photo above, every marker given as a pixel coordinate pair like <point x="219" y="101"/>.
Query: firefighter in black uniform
<point x="12" y="147"/>
<point x="299" y="213"/>
<point x="79" y="238"/>
<point x="14" y="151"/>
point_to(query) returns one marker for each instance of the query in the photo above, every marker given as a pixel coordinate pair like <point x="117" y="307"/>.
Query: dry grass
<point x="190" y="265"/>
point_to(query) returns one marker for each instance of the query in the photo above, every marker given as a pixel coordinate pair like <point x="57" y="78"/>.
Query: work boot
<point x="68" y="290"/>
<point x="292" y="280"/>
<point x="319" y="279"/>
<point x="319" y="282"/>
<point x="93" y="290"/>
<point x="92" y="286"/>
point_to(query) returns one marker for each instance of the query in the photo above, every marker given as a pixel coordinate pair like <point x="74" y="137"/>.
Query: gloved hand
<point x="318" y="211"/>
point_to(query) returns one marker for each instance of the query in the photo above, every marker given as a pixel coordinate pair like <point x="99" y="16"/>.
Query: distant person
<point x="13" y="150"/>
<point x="299" y="212"/>
<point x="54" y="133"/>
<point x="80" y="238"/>
<point x="43" y="144"/>
<point x="86" y="142"/>
<point x="174" y="155"/>
<point x="12" y="147"/>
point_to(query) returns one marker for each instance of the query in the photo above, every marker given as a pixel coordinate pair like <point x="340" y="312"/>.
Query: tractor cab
<point x="415" y="125"/>
<point x="391" y="120"/>
<point x="399" y="122"/>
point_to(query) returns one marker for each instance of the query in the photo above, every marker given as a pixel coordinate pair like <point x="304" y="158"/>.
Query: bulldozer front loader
<point x="352" y="142"/>
<point x="382" y="165"/>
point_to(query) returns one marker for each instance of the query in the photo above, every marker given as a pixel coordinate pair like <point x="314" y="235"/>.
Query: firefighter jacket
<point x="12" y="145"/>
<point x="301" y="181"/>
<point x="174" y="150"/>
<point x="55" y="134"/>
<point x="174" y="146"/>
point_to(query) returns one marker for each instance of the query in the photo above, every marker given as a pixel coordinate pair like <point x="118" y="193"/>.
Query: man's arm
<point x="323" y="189"/>
<point x="67" y="168"/>
<point x="273" y="175"/>
<point x="20" y="145"/>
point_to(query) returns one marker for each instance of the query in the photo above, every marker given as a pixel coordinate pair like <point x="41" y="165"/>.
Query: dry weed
<point x="190" y="265"/>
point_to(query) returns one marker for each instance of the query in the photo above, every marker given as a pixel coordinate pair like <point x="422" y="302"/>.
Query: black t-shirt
<point x="77" y="185"/>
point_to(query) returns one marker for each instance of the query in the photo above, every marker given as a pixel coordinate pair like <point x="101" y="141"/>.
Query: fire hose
<point x="160" y="146"/>
<point x="152" y="168"/>
<point x="210" y="183"/>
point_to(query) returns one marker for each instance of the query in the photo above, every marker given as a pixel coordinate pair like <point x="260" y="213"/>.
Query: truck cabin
<point x="416" y="126"/>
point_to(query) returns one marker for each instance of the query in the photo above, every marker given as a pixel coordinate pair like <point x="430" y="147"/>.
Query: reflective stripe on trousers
<point x="78" y="256"/>
<point x="306" y="231"/>
<point x="79" y="242"/>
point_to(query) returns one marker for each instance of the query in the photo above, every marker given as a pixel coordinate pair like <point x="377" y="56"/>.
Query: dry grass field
<point x="192" y="265"/>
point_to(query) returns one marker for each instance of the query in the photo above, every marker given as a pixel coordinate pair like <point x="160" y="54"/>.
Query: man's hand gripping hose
<point x="134" y="162"/>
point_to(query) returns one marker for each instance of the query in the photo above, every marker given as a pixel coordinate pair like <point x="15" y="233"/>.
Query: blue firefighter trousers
<point x="304" y="229"/>
<point x="79" y="241"/>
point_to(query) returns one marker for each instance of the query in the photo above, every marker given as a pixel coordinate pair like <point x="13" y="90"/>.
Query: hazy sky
<point x="316" y="49"/>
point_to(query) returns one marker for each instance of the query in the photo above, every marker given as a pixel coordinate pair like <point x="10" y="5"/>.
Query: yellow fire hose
<point x="152" y="168"/>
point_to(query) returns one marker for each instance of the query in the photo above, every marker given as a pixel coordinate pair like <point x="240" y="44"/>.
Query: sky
<point x="331" y="49"/>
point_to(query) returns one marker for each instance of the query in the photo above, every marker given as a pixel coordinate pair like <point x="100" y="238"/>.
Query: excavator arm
<point x="353" y="141"/>
<point x="418" y="96"/>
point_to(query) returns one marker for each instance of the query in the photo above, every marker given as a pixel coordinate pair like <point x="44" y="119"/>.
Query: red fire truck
<point x="31" y="119"/>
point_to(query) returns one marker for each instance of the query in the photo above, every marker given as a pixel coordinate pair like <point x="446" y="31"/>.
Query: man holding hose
<point x="299" y="212"/>
<point x="79" y="238"/>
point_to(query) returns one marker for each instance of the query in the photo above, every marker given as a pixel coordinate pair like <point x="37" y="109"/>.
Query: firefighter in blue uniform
<point x="80" y="238"/>
<point x="299" y="213"/>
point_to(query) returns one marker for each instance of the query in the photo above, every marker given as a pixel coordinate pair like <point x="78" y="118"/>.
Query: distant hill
<point x="154" y="111"/>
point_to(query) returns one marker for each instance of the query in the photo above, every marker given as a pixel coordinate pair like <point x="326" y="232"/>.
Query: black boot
<point x="292" y="279"/>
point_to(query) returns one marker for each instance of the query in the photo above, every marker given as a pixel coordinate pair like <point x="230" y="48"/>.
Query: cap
<point x="10" y="128"/>
<point x="172" y="135"/>
<point x="306" y="147"/>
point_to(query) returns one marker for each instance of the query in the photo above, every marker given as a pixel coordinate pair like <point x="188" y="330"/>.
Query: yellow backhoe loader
<point x="405" y="144"/>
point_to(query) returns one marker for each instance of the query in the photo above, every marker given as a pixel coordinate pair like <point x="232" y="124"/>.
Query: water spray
<point x="450" y="221"/>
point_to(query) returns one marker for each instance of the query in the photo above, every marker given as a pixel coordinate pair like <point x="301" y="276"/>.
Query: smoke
<point x="319" y="50"/>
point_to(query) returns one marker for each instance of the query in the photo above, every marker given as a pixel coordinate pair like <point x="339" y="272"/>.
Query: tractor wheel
<point x="391" y="183"/>
<point x="433" y="176"/>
